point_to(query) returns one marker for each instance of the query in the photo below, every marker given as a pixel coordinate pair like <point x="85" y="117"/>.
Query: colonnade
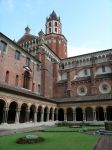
<point x="13" y="113"/>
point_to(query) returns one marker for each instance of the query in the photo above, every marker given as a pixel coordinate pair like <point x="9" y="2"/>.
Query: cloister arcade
<point x="13" y="113"/>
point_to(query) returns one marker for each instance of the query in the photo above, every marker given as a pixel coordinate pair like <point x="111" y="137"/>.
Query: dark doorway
<point x="51" y="113"/>
<point x="79" y="114"/>
<point x="89" y="114"/>
<point x="45" y="113"/>
<point x="2" y="105"/>
<point x="61" y="114"/>
<point x="32" y="111"/>
<point x="23" y="113"/>
<point x="12" y="112"/>
<point x="69" y="114"/>
<point x="109" y="113"/>
<point x="99" y="114"/>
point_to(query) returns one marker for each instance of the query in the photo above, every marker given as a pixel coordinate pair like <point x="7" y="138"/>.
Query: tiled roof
<point x="81" y="99"/>
<point x="25" y="38"/>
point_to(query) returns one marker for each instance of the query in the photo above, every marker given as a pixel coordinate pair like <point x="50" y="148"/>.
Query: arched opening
<point x="69" y="114"/>
<point x="26" y="80"/>
<point x="99" y="114"/>
<point x="23" y="113"/>
<point x="12" y="112"/>
<point x="55" y="113"/>
<point x="79" y="114"/>
<point x="2" y="106"/>
<point x="89" y="114"/>
<point x="45" y="113"/>
<point x="7" y="77"/>
<point x="50" y="114"/>
<point x="32" y="111"/>
<point x="109" y="113"/>
<point x="39" y="114"/>
<point x="61" y="114"/>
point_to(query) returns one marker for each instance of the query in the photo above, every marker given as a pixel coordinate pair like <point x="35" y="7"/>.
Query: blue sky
<point x="87" y="24"/>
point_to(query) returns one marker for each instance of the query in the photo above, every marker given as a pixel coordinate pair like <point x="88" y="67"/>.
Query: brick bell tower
<point x="54" y="37"/>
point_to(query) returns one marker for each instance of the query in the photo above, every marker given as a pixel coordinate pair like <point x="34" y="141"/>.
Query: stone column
<point x="74" y="115"/>
<point x="48" y="115"/>
<point x="65" y="115"/>
<point x="42" y="115"/>
<point x="105" y="115"/>
<point x="94" y="115"/>
<point x="5" y="115"/>
<point x="53" y="115"/>
<point x="17" y="116"/>
<point x="84" y="116"/>
<point x="35" y="116"/>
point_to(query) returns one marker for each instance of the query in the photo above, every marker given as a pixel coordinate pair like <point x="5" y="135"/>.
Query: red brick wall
<point x="16" y="67"/>
<point x="60" y="49"/>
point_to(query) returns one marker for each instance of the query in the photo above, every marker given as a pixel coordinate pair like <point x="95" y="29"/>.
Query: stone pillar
<point x="74" y="115"/>
<point x="42" y="115"/>
<point x="27" y="115"/>
<point x="53" y="115"/>
<point x="48" y="115"/>
<point x="35" y="116"/>
<point x="65" y="115"/>
<point x="5" y="115"/>
<point x="84" y="116"/>
<point x="17" y="116"/>
<point x="94" y="115"/>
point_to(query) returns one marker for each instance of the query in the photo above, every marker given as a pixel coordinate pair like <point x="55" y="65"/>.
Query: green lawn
<point x="54" y="141"/>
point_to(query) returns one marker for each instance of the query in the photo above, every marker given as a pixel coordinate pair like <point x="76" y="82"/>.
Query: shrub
<point x="30" y="139"/>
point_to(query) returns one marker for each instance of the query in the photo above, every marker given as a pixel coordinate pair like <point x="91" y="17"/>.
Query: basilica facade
<point x="39" y="83"/>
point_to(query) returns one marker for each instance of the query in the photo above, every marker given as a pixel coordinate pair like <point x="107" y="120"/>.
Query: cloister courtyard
<point x="61" y="138"/>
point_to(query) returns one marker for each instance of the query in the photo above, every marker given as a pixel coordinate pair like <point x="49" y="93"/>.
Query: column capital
<point x="6" y="108"/>
<point x="18" y="109"/>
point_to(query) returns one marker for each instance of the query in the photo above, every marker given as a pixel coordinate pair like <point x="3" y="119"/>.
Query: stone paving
<point x="6" y="129"/>
<point x="104" y="143"/>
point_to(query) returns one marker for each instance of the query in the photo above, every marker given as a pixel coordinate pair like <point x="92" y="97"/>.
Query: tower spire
<point x="53" y="24"/>
<point x="27" y="30"/>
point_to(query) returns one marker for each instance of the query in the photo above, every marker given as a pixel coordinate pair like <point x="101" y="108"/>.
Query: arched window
<point x="49" y="24"/>
<point x="56" y="24"/>
<point x="17" y="80"/>
<point x="7" y="77"/>
<point x="26" y="79"/>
